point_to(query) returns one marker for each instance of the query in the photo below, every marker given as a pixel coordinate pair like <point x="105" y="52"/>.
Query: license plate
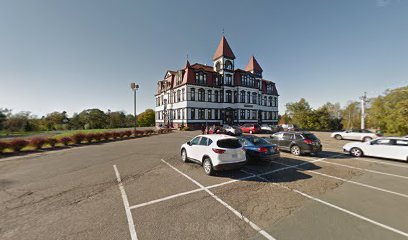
<point x="234" y="155"/>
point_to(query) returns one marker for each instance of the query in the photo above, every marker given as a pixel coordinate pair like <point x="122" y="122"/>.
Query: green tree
<point x="4" y="113"/>
<point x="93" y="119"/>
<point x="300" y="113"/>
<point x="146" y="118"/>
<point x="351" y="116"/>
<point x="18" y="122"/>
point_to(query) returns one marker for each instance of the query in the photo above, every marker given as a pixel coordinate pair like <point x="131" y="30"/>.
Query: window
<point x="183" y="92"/>
<point x="244" y="80"/>
<point x="242" y="114"/>
<point x="270" y="102"/>
<point x="218" y="66"/>
<point x="228" y="96"/>
<point x="215" y="96"/>
<point x="253" y="114"/>
<point x="221" y="96"/>
<point x="228" y="80"/>
<point x="235" y="96"/>
<point x="201" y="95"/>
<point x="192" y="113"/>
<point x="178" y="95"/>
<point x="195" y="141"/>
<point x="182" y="113"/>
<point x="201" y="114"/>
<point x="209" y="113"/>
<point x="201" y="78"/>
<point x="254" y="97"/>
<point x="248" y="115"/>
<point x="216" y="114"/>
<point x="192" y="94"/>
<point x="242" y="97"/>
<point x="383" y="142"/>
<point x="228" y="65"/>
<point x="248" y="97"/>
<point x="269" y="88"/>
<point x="229" y="143"/>
<point x="401" y="143"/>
<point x="178" y="114"/>
<point x="203" y="141"/>
<point x="209" y="95"/>
<point x="288" y="136"/>
<point x="265" y="101"/>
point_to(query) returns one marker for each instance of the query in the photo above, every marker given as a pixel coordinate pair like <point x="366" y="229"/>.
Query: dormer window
<point x="201" y="78"/>
<point x="269" y="89"/>
<point x="218" y="66"/>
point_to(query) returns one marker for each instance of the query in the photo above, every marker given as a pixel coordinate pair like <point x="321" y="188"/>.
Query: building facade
<point x="220" y="94"/>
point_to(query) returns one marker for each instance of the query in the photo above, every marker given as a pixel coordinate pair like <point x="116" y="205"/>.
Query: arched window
<point x="192" y="94"/>
<point x="270" y="102"/>
<point x="218" y="66"/>
<point x="201" y="95"/>
<point x="201" y="78"/>
<point x="228" y="96"/>
<point x="248" y="97"/>
<point x="242" y="97"/>
<point x="178" y="95"/>
<point x="228" y="80"/>
<point x="209" y="95"/>
<point x="228" y="65"/>
<point x="254" y="98"/>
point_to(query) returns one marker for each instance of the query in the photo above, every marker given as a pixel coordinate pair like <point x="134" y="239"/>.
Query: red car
<point x="250" y="128"/>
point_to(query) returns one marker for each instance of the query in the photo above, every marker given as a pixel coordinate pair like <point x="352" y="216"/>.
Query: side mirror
<point x="189" y="143"/>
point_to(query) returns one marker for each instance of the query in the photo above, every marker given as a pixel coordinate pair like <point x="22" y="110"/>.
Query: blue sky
<point x="74" y="54"/>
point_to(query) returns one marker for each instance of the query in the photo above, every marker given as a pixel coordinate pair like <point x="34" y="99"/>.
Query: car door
<point x="193" y="147"/>
<point x="285" y="141"/>
<point x="401" y="149"/>
<point x="275" y="138"/>
<point x="201" y="148"/>
<point x="379" y="148"/>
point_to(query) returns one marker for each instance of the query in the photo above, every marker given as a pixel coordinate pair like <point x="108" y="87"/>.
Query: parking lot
<point x="140" y="189"/>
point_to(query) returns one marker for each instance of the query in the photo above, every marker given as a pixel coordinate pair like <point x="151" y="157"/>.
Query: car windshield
<point x="229" y="143"/>
<point x="310" y="136"/>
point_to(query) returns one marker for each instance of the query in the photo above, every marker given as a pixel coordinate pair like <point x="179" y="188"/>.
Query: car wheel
<point x="356" y="152"/>
<point x="184" y="157"/>
<point x="366" y="139"/>
<point x="207" y="165"/>
<point x="338" y="137"/>
<point x="295" y="150"/>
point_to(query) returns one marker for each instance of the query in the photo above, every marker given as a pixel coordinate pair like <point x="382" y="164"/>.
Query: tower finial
<point x="223" y="32"/>
<point x="187" y="57"/>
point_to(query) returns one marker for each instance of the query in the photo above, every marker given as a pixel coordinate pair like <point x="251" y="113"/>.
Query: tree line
<point x="387" y="113"/>
<point x="87" y="119"/>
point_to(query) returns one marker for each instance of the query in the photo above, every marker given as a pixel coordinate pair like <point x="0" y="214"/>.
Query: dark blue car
<point x="258" y="149"/>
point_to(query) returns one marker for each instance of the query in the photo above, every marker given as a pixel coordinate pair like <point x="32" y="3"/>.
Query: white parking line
<point x="349" y="181"/>
<point x="224" y="183"/>
<point x="402" y="165"/>
<point x="131" y="224"/>
<point x="238" y="214"/>
<point x="336" y="207"/>
<point x="367" y="170"/>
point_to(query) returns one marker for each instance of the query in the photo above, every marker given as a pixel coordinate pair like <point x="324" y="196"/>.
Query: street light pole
<point x="363" y="102"/>
<point x="134" y="87"/>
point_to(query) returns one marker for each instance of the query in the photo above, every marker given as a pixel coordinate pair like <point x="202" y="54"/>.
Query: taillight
<point x="219" y="151"/>
<point x="308" y="141"/>
<point x="263" y="150"/>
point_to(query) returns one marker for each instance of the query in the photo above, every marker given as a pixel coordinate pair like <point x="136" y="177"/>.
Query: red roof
<point x="253" y="65"/>
<point x="199" y="66"/>
<point x="223" y="49"/>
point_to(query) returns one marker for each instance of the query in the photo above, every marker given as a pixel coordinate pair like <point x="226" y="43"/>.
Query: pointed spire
<point x="223" y="49"/>
<point x="187" y="65"/>
<point x="253" y="65"/>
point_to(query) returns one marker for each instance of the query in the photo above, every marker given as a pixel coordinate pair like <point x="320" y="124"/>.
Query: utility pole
<point x="363" y="103"/>
<point x="134" y="87"/>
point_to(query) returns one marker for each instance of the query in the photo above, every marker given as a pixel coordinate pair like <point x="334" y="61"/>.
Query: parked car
<point x="250" y="128"/>
<point x="214" y="152"/>
<point x="258" y="149"/>
<point x="355" y="134"/>
<point x="269" y="128"/>
<point x="289" y="127"/>
<point x="232" y="130"/>
<point x="297" y="142"/>
<point x="406" y="136"/>
<point x="390" y="147"/>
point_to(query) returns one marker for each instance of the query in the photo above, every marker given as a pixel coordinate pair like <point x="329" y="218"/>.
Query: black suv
<point x="297" y="142"/>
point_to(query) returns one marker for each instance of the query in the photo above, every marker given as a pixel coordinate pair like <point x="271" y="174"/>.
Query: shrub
<point x="18" y="144"/>
<point x="78" y="138"/>
<point x="52" y="141"/>
<point x="89" y="137"/>
<point x="115" y="135"/>
<point x="98" y="137"/>
<point x="149" y="132"/>
<point x="107" y="135"/>
<point x="127" y="133"/>
<point x="65" y="141"/>
<point x="38" y="143"/>
<point x="3" y="146"/>
<point x="138" y="133"/>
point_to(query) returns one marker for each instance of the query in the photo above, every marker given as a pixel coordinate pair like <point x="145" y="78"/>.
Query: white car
<point x="390" y="147"/>
<point x="214" y="152"/>
<point x="355" y="134"/>
<point x="267" y="128"/>
<point x="232" y="130"/>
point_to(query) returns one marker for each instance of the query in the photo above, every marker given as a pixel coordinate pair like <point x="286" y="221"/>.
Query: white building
<point x="222" y="94"/>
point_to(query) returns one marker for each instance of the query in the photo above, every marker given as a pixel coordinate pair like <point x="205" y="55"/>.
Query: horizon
<point x="71" y="56"/>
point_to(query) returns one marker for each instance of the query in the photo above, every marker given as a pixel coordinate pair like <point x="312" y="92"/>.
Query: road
<point x="139" y="189"/>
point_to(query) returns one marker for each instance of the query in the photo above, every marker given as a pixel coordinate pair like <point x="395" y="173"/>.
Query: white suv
<point x="214" y="152"/>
